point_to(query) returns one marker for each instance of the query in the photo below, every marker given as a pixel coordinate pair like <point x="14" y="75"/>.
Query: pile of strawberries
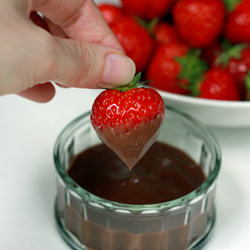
<point x="198" y="48"/>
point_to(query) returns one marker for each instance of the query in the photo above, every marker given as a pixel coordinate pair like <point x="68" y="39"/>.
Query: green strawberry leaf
<point x="141" y="21"/>
<point x="148" y="25"/>
<point x="192" y="66"/>
<point x="229" y="51"/>
<point x="231" y="4"/>
<point x="152" y="23"/>
<point x="195" y="87"/>
<point x="133" y="84"/>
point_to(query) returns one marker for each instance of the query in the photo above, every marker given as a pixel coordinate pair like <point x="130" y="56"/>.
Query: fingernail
<point x="119" y="70"/>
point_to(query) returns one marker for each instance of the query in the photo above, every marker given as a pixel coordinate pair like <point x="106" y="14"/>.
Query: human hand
<point x="80" y="50"/>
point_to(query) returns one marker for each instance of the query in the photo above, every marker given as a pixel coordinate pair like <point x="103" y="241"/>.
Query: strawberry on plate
<point x="237" y="27"/>
<point x="165" y="32"/>
<point x="199" y="22"/>
<point x="110" y="12"/>
<point x="236" y="60"/>
<point x="128" y="120"/>
<point x="135" y="40"/>
<point x="147" y="9"/>
<point x="173" y="66"/>
<point x="217" y="84"/>
<point x="211" y="52"/>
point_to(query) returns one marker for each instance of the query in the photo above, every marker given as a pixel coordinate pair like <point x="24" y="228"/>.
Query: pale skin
<point x="79" y="51"/>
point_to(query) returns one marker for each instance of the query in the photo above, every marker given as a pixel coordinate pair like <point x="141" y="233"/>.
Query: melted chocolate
<point x="163" y="174"/>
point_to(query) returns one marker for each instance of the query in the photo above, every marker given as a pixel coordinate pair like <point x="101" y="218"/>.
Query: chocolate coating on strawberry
<point x="128" y="120"/>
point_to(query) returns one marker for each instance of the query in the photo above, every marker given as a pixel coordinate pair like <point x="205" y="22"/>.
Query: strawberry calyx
<point x="135" y="83"/>
<point x="195" y="87"/>
<point x="152" y="23"/>
<point x="148" y="25"/>
<point x="231" y="4"/>
<point x="192" y="69"/>
<point x="229" y="51"/>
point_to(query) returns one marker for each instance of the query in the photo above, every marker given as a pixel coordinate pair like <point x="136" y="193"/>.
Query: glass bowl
<point x="89" y="222"/>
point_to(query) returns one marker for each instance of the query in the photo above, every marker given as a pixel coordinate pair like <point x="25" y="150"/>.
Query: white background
<point x="28" y="131"/>
<point x="28" y="185"/>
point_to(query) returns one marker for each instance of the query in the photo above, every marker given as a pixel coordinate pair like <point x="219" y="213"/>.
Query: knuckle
<point x="84" y="59"/>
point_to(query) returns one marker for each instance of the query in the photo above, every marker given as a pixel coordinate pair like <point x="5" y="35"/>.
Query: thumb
<point x="85" y="65"/>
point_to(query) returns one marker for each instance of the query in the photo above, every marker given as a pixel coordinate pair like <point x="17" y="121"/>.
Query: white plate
<point x="210" y="112"/>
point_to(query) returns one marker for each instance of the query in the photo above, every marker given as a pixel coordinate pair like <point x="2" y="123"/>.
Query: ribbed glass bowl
<point x="89" y="222"/>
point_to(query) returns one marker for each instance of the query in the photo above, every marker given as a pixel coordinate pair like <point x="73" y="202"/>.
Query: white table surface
<point x="28" y="184"/>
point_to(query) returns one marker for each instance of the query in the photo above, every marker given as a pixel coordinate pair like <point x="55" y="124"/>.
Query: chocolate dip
<point x="131" y="145"/>
<point x="163" y="174"/>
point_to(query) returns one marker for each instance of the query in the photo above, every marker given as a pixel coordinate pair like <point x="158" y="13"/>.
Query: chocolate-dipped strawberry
<point x="128" y="120"/>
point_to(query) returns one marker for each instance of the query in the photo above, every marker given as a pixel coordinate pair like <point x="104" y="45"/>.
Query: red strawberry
<point x="135" y="39"/>
<point x="128" y="120"/>
<point x="165" y="33"/>
<point x="236" y="60"/>
<point x="218" y="84"/>
<point x="173" y="66"/>
<point x="237" y="28"/>
<point x="210" y="53"/>
<point x="110" y="12"/>
<point x="147" y="9"/>
<point x="199" y="22"/>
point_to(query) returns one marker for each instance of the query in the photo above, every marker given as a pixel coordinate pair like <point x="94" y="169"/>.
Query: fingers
<point x="80" y="20"/>
<point x="89" y="56"/>
<point x="55" y="30"/>
<point x="86" y="65"/>
<point x="39" y="93"/>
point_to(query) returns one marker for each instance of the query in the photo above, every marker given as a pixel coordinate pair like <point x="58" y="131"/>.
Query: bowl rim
<point x="112" y="205"/>
<point x="204" y="102"/>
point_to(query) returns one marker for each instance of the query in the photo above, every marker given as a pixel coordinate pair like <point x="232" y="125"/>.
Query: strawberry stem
<point x="148" y="25"/>
<point x="231" y="4"/>
<point x="229" y="51"/>
<point x="152" y="23"/>
<point x="133" y="84"/>
<point x="192" y="67"/>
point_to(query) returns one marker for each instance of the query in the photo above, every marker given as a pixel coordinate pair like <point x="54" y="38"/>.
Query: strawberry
<point x="236" y="60"/>
<point x="210" y="53"/>
<point x="199" y="22"/>
<point x="217" y="84"/>
<point x="173" y="66"/>
<point x="165" y="33"/>
<point x="147" y="9"/>
<point x="237" y="27"/>
<point x="135" y="40"/>
<point x="110" y="12"/>
<point x="128" y="120"/>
